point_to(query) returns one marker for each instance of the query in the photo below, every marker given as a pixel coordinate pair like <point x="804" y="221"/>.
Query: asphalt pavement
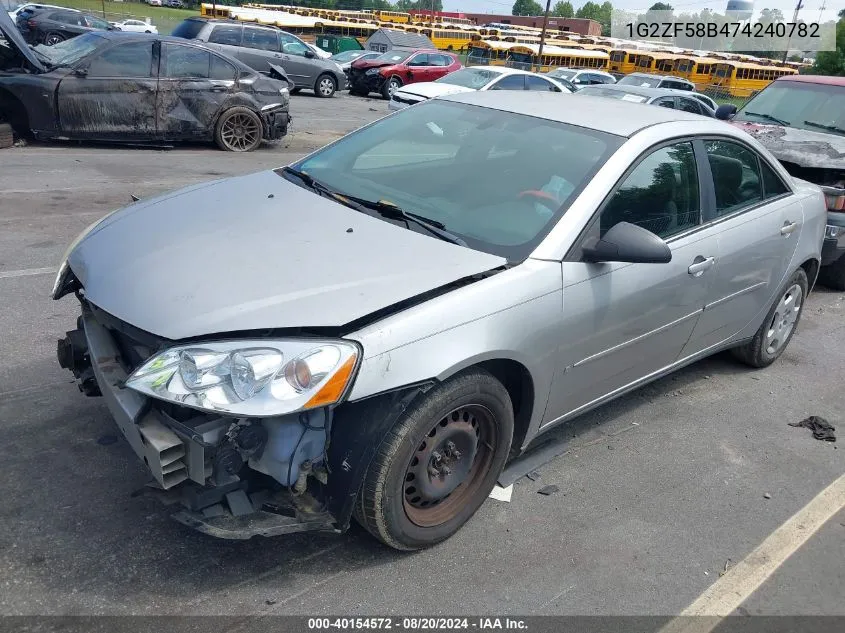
<point x="659" y="492"/>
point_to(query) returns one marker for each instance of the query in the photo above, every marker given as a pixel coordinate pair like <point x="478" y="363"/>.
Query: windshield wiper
<point x="769" y="117"/>
<point x="382" y="207"/>
<point x="829" y="128"/>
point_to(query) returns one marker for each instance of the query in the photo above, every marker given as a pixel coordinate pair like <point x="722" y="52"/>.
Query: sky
<point x="810" y="10"/>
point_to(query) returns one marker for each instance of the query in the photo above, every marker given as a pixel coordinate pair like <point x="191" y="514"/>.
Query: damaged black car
<point x="137" y="88"/>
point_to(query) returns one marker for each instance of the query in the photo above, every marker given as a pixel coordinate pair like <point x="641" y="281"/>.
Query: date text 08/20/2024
<point x="416" y="623"/>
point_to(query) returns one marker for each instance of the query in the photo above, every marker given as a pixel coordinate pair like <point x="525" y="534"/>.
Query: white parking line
<point x="731" y="590"/>
<point x="26" y="272"/>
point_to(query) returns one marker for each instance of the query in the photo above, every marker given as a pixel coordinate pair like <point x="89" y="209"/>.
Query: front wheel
<point x="437" y="465"/>
<point x="390" y="86"/>
<point x="777" y="330"/>
<point x="51" y="39"/>
<point x="325" y="86"/>
<point x="238" y="130"/>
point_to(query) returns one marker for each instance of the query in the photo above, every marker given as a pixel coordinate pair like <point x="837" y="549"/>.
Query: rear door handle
<point x="788" y="228"/>
<point x="697" y="268"/>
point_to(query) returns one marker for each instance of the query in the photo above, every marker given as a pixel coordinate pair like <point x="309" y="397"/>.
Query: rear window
<point x="188" y="29"/>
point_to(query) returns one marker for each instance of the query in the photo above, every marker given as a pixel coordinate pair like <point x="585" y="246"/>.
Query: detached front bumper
<point x="276" y="122"/>
<point x="195" y="460"/>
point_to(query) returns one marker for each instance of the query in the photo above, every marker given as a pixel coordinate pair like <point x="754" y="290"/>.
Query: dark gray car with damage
<point x="129" y="87"/>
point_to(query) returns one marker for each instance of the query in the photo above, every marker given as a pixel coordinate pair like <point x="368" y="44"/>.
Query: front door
<point x="194" y="83"/>
<point x="112" y="95"/>
<point x="757" y="222"/>
<point x="623" y="322"/>
<point x="301" y="69"/>
<point x="417" y="69"/>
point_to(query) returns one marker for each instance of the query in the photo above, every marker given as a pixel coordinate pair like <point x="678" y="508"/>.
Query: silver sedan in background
<point x="377" y="328"/>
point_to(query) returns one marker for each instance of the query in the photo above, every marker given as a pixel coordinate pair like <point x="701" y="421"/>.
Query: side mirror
<point x="626" y="242"/>
<point x="310" y="54"/>
<point x="725" y="112"/>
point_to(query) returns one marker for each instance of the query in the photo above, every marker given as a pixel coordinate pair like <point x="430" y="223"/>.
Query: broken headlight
<point x="251" y="378"/>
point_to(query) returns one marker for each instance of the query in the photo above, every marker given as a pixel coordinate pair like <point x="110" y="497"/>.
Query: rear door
<point x="259" y="48"/>
<point x="757" y="220"/>
<point x="226" y="38"/>
<point x="538" y="83"/>
<point x="113" y="94"/>
<point x="438" y="66"/>
<point x="193" y="85"/>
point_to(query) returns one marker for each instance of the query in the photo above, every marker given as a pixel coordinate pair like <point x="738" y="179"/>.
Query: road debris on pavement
<point x="548" y="490"/>
<point x="502" y="494"/>
<point x="821" y="428"/>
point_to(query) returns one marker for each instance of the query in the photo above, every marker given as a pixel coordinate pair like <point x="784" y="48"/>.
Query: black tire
<point x="473" y="408"/>
<point x="761" y="351"/>
<point x="390" y="86"/>
<point x="238" y="129"/>
<point x="325" y="86"/>
<point x="833" y="275"/>
<point x="51" y="39"/>
<point x="7" y="138"/>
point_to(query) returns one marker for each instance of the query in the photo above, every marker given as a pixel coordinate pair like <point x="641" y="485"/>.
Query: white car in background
<point x="135" y="26"/>
<point x="472" y="79"/>
<point x="582" y="76"/>
<point x="154" y="3"/>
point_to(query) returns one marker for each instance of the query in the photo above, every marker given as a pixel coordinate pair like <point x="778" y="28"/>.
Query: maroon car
<point x="395" y="68"/>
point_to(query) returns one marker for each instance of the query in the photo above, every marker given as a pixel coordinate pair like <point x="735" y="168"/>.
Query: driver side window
<point x="661" y="194"/>
<point x="133" y="59"/>
<point x="292" y="46"/>
<point x="419" y="60"/>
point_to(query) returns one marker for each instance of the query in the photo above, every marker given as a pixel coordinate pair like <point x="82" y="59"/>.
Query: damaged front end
<point x="234" y="476"/>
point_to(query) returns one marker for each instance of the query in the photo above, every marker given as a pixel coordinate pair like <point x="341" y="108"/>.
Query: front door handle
<point x="697" y="268"/>
<point x="788" y="228"/>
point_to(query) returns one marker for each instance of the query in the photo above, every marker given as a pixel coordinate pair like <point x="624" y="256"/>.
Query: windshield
<point x="796" y="103"/>
<point x="563" y="74"/>
<point x="393" y="57"/>
<point x="70" y="51"/>
<point x="634" y="80"/>
<point x="612" y="93"/>
<point x="348" y="56"/>
<point x="468" y="168"/>
<point x="475" y="78"/>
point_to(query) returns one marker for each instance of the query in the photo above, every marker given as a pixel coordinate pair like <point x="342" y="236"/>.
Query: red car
<point x="393" y="69"/>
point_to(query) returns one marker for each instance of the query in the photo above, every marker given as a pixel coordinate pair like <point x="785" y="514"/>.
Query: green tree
<point x="833" y="62"/>
<point x="589" y="11"/>
<point x="771" y="15"/>
<point x="605" y="14"/>
<point x="661" y="6"/>
<point x="526" y="7"/>
<point x="563" y="10"/>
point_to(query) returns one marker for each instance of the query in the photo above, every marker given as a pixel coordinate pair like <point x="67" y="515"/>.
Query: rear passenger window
<point x="133" y="59"/>
<point x="660" y="194"/>
<point x="772" y="184"/>
<point x="221" y="69"/>
<point x="510" y="82"/>
<point x="537" y="83"/>
<point x="226" y="34"/>
<point x="667" y="102"/>
<point x="736" y="176"/>
<point x="185" y="62"/>
<point x="688" y="105"/>
<point x="262" y="39"/>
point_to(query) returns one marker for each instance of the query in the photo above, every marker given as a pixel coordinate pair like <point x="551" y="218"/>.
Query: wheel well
<point x="13" y="110"/>
<point x="811" y="267"/>
<point x="517" y="380"/>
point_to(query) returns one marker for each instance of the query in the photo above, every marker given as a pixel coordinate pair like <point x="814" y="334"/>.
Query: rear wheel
<point x="437" y="465"/>
<point x="833" y="275"/>
<point x="238" y="130"/>
<point x="52" y="39"/>
<point x="390" y="86"/>
<point x="781" y="322"/>
<point x="325" y="86"/>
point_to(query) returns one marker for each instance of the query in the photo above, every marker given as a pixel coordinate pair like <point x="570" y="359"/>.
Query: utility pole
<point x="798" y="7"/>
<point x="543" y="36"/>
<point x="104" y="9"/>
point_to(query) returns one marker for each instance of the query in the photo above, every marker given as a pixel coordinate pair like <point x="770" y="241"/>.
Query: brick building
<point x="582" y="26"/>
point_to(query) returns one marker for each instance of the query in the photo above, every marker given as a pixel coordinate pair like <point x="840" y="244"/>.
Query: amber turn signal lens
<point x="333" y="389"/>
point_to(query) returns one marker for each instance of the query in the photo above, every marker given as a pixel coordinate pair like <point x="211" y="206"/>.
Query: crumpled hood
<point x="805" y="148"/>
<point x="364" y="64"/>
<point x="257" y="252"/>
<point x="432" y="89"/>
<point x="13" y="37"/>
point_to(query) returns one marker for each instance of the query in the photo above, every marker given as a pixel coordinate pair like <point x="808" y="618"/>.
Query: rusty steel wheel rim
<point x="450" y="465"/>
<point x="240" y="132"/>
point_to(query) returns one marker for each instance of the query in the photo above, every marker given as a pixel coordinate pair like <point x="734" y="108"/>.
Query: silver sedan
<point x="376" y="329"/>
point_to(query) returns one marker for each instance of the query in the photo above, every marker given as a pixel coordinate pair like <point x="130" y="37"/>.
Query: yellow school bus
<point x="447" y="39"/>
<point x="399" y="17"/>
<point x="697" y="70"/>
<point x="488" y="53"/>
<point x="624" y="60"/>
<point x="658" y="63"/>
<point x="527" y="57"/>
<point x="744" y="79"/>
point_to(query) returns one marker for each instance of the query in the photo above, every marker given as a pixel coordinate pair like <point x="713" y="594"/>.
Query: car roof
<point x="656" y="76"/>
<point x="613" y="116"/>
<point x="814" y="79"/>
<point x="643" y="91"/>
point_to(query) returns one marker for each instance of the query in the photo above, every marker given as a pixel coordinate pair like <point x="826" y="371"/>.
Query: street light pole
<point x="543" y="37"/>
